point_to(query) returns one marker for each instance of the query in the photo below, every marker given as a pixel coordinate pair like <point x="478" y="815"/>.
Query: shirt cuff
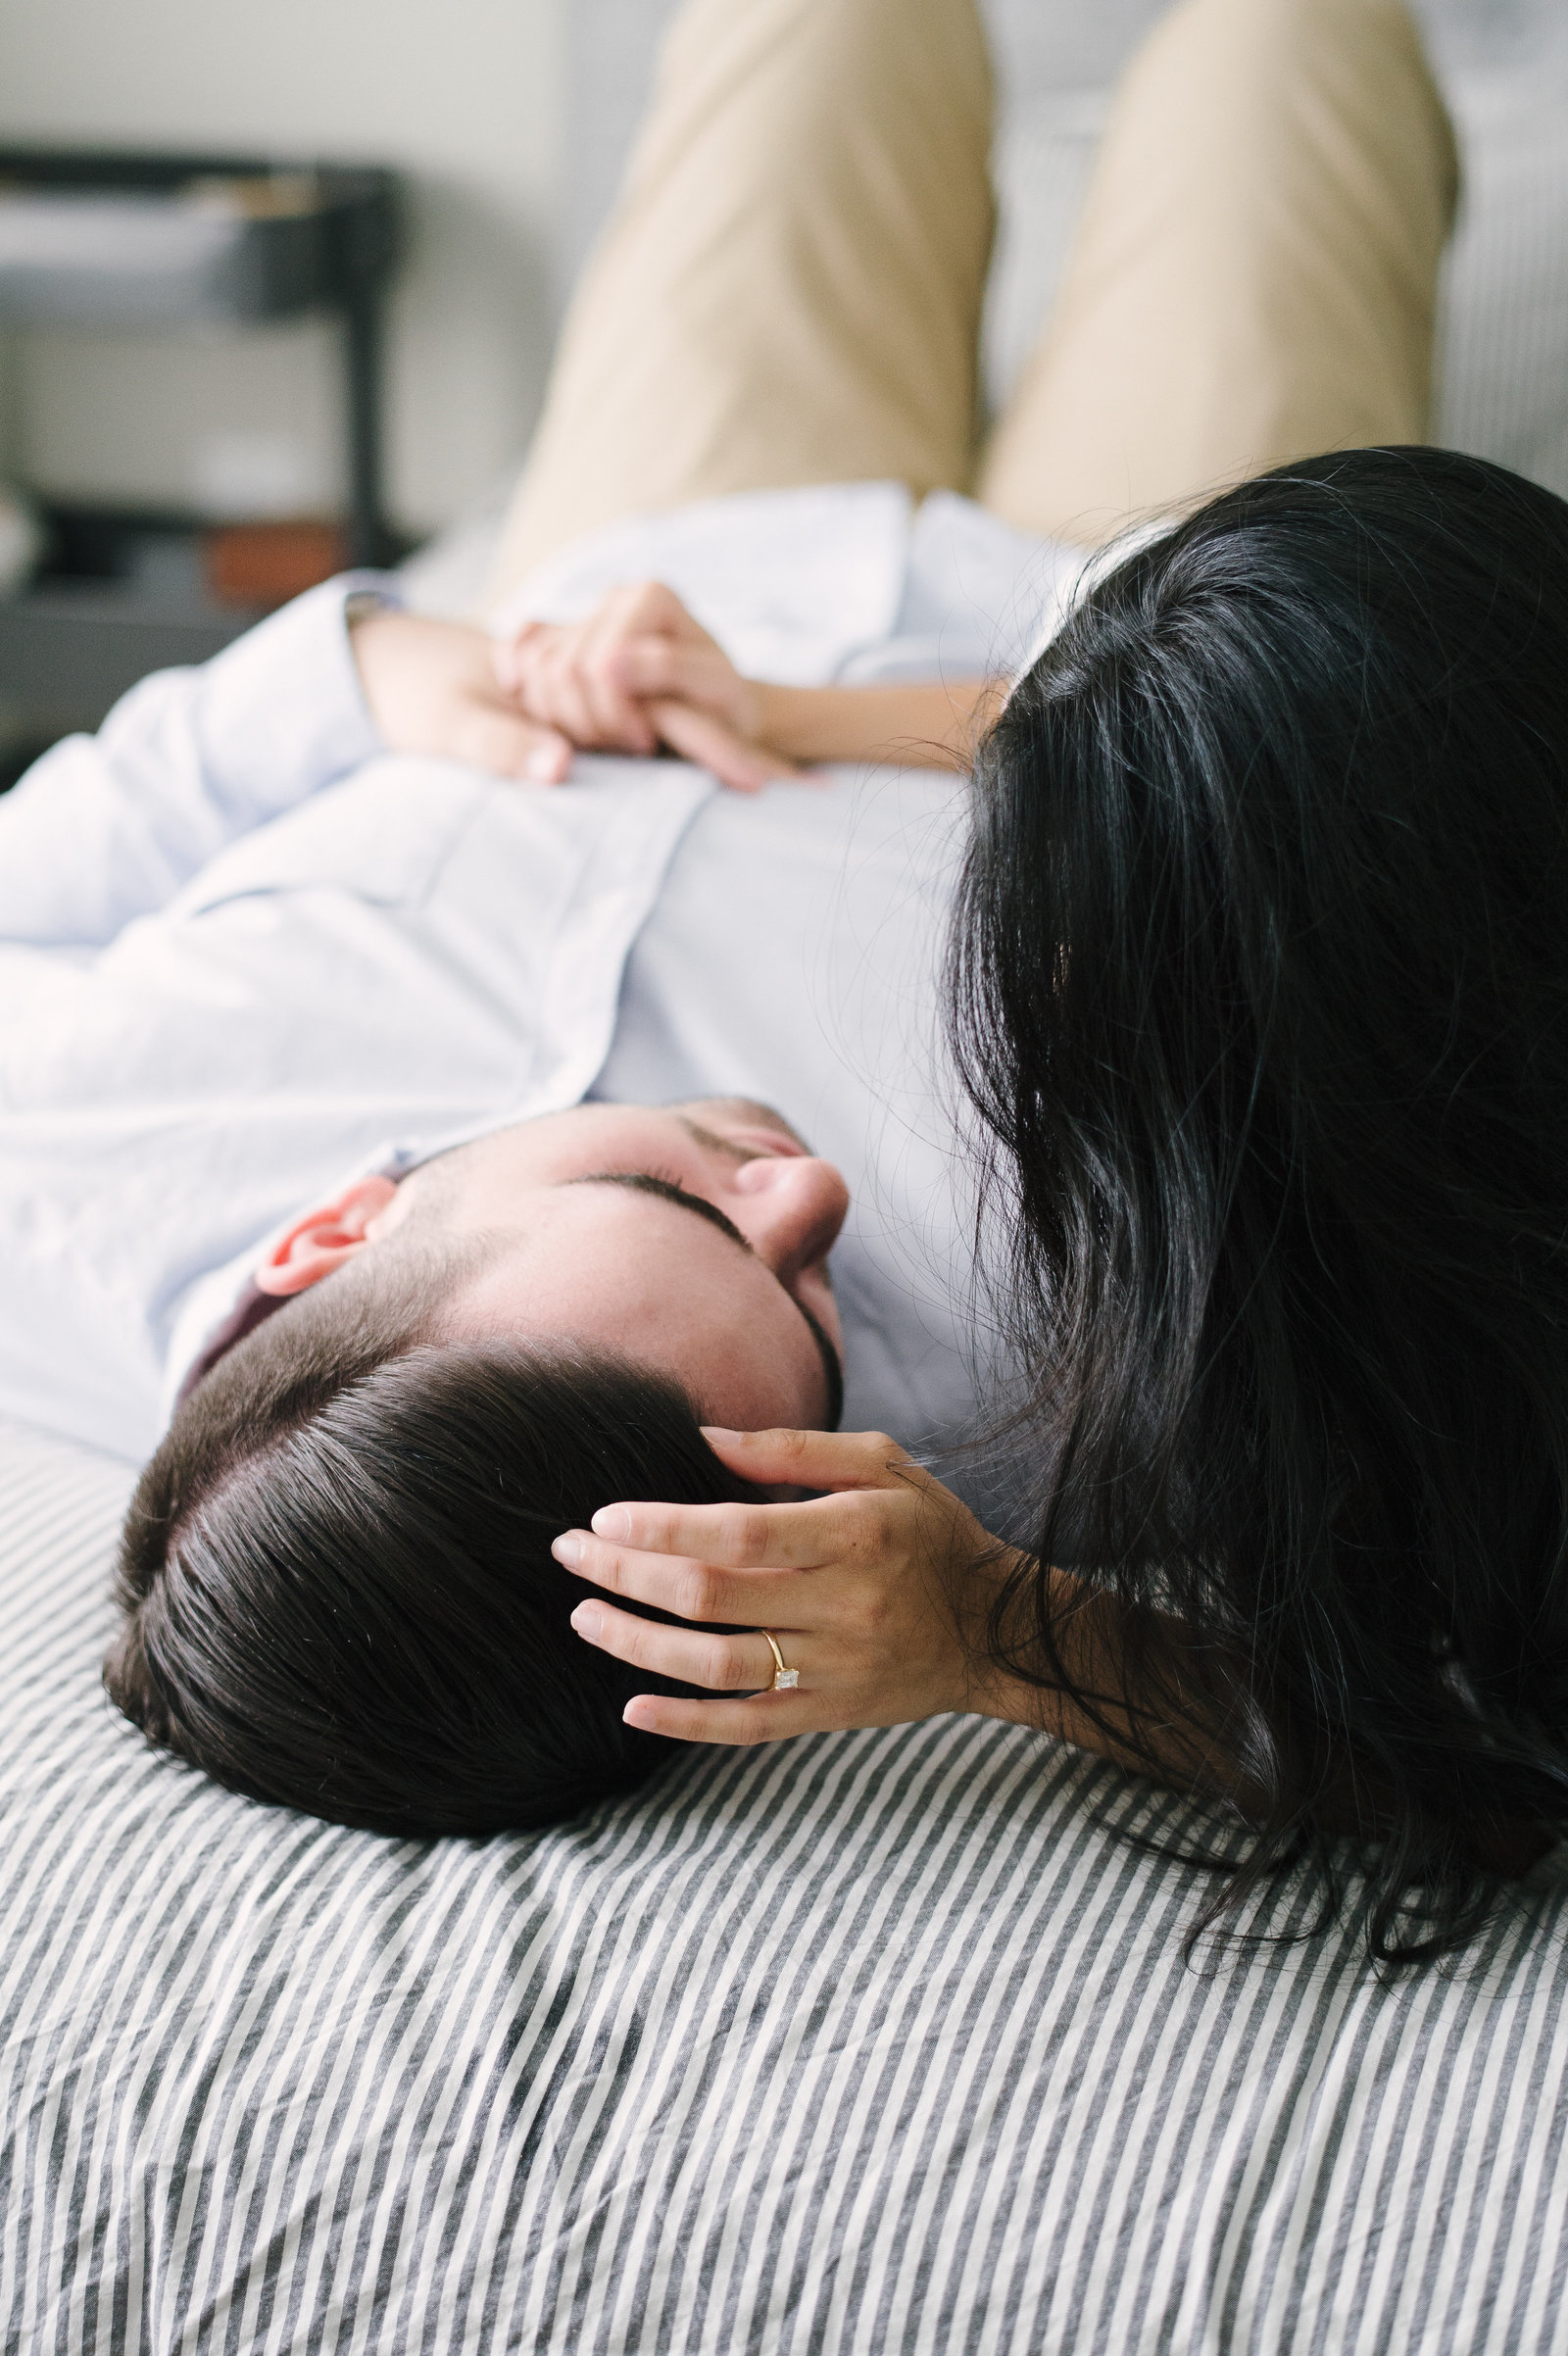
<point x="282" y="710"/>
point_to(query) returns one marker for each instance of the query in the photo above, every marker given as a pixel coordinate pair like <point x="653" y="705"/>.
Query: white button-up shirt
<point x="246" y="953"/>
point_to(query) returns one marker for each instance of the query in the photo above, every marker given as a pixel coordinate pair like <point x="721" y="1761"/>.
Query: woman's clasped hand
<point x="638" y="674"/>
<point x="875" y="1593"/>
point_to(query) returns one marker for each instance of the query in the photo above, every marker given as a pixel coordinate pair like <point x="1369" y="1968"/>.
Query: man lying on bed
<point x="408" y="1134"/>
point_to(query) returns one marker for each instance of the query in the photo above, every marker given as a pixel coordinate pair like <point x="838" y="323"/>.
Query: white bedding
<point x="875" y="2042"/>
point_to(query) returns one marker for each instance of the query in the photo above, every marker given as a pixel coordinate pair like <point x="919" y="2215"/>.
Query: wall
<point x="462" y="95"/>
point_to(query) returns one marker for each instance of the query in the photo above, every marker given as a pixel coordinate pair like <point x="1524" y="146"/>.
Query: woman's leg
<point x="789" y="289"/>
<point x="1254" y="277"/>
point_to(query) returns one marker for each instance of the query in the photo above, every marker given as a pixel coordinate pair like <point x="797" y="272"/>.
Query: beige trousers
<point x="789" y="289"/>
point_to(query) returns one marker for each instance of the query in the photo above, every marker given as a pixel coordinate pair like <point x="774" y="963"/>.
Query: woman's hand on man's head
<point x="875" y="1593"/>
<point x="638" y="674"/>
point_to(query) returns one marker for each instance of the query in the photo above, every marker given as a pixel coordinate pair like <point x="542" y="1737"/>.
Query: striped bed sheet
<point x="879" y="2042"/>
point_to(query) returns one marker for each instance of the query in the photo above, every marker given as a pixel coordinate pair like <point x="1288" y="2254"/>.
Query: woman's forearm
<point x="1089" y="1638"/>
<point x="921" y="726"/>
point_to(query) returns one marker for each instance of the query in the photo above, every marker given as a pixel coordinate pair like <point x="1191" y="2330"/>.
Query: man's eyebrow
<point x="642" y="1182"/>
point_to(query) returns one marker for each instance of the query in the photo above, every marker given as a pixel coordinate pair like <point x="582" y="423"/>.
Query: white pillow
<point x="1040" y="163"/>
<point x="1503" y="351"/>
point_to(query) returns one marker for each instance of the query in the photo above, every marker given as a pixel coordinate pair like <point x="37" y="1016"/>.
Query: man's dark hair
<point x="1260" y="983"/>
<point x="335" y="1574"/>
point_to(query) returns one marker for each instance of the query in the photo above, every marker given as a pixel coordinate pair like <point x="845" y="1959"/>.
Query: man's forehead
<point x="639" y="1183"/>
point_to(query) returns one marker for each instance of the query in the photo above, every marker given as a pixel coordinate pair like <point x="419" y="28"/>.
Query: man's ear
<point x="325" y="1238"/>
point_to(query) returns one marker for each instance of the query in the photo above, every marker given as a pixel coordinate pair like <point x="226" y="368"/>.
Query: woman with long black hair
<point x="1259" y="983"/>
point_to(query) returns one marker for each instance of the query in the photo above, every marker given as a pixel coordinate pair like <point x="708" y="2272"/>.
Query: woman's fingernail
<point x="544" y="766"/>
<point x="716" y="1431"/>
<point x="588" y="1619"/>
<point x="611" y="1521"/>
<point x="568" y="1550"/>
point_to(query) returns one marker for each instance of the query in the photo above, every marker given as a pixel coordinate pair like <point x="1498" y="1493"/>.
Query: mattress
<point x="878" y="2041"/>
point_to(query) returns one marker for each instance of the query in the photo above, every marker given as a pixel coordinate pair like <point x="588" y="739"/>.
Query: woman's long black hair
<point x="1259" y="982"/>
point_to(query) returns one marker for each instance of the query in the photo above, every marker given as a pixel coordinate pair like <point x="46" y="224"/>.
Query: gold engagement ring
<point x="783" y="1679"/>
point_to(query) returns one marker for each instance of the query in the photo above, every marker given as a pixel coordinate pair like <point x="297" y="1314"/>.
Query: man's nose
<point x="790" y="1209"/>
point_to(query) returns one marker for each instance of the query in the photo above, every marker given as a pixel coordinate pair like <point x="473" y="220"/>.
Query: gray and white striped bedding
<point x="874" y="2043"/>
